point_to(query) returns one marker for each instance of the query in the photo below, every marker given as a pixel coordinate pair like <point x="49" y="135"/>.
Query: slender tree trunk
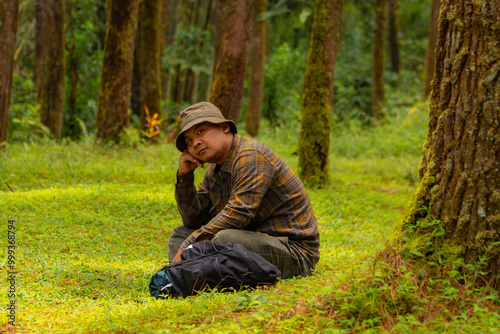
<point x="314" y="138"/>
<point x="73" y="75"/>
<point x="186" y="10"/>
<point x="164" y="38"/>
<point x="378" y="82"/>
<point x="137" y="93"/>
<point x="431" y="46"/>
<point x="116" y="71"/>
<point x="150" y="58"/>
<point x="394" y="19"/>
<point x="258" y="42"/>
<point x="460" y="169"/>
<point x="50" y="63"/>
<point x="229" y="77"/>
<point x="197" y="22"/>
<point x="9" y="13"/>
<point x="203" y="79"/>
<point x="218" y="32"/>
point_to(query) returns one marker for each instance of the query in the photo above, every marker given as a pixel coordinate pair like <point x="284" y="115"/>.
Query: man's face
<point x="209" y="142"/>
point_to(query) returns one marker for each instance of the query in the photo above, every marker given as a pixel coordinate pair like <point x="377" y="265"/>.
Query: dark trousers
<point x="276" y="250"/>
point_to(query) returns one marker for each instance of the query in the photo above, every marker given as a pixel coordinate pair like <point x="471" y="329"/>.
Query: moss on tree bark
<point x="314" y="138"/>
<point x="460" y="169"/>
<point x="258" y="48"/>
<point x="229" y="75"/>
<point x="50" y="63"/>
<point x="9" y="13"/>
<point x="149" y="55"/>
<point x="116" y="71"/>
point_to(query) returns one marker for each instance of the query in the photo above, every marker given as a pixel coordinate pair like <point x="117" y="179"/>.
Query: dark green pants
<point x="276" y="250"/>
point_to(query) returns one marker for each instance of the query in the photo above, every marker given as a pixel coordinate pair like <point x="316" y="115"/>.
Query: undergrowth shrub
<point x="412" y="294"/>
<point x="404" y="296"/>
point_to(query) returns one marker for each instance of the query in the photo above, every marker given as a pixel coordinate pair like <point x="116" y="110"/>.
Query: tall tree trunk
<point x="116" y="71"/>
<point x="137" y="93"/>
<point x="50" y="63"/>
<point x="229" y="76"/>
<point x="204" y="78"/>
<point x="73" y="75"/>
<point x="460" y="169"/>
<point x="218" y="32"/>
<point x="186" y="12"/>
<point x="431" y="46"/>
<point x="9" y="13"/>
<point x="314" y="138"/>
<point x="394" y="19"/>
<point x="149" y="55"/>
<point x="378" y="82"/>
<point x="164" y="39"/>
<point x="258" y="43"/>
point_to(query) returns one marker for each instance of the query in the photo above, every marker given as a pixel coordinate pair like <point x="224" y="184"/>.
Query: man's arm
<point x="252" y="176"/>
<point x="194" y="206"/>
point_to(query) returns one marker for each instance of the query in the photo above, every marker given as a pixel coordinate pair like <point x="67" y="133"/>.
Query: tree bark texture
<point x="431" y="46"/>
<point x="314" y="138"/>
<point x="228" y="81"/>
<point x="149" y="55"/>
<point x="9" y="13"/>
<point x="378" y="82"/>
<point x="460" y="169"/>
<point x="394" y="19"/>
<point x="50" y="63"/>
<point x="116" y="71"/>
<point x="258" y="47"/>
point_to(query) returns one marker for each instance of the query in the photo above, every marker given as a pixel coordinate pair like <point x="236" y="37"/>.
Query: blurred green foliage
<point x="283" y="85"/>
<point x="85" y="21"/>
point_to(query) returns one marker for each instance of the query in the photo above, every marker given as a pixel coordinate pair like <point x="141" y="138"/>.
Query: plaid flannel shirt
<point x="253" y="190"/>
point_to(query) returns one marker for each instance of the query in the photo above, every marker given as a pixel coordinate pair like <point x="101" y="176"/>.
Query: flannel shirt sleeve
<point x="252" y="175"/>
<point x="194" y="206"/>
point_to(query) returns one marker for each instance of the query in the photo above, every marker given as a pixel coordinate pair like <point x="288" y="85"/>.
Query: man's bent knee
<point x="227" y="236"/>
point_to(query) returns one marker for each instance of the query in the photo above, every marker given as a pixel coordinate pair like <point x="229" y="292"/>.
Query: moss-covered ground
<point x="92" y="224"/>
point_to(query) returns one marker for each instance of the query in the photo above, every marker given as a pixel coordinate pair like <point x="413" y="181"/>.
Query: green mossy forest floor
<point x="92" y="225"/>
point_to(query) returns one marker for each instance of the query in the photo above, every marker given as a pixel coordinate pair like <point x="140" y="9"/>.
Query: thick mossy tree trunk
<point x="431" y="46"/>
<point x="149" y="56"/>
<point x="9" y="13"/>
<point x="50" y="63"/>
<point x="378" y="82"/>
<point x="314" y="138"/>
<point x="116" y="70"/>
<point x="258" y="43"/>
<point x="394" y="19"/>
<point x="460" y="169"/>
<point x="229" y="75"/>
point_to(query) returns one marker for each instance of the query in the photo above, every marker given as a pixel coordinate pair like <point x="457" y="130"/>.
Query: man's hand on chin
<point x="188" y="163"/>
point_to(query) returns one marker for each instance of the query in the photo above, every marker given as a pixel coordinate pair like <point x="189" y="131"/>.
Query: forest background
<point x="93" y="216"/>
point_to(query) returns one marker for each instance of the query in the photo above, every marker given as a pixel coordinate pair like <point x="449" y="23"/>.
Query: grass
<point x="92" y="224"/>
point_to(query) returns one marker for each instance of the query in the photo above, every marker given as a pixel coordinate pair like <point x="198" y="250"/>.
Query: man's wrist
<point x="180" y="172"/>
<point x="185" y="178"/>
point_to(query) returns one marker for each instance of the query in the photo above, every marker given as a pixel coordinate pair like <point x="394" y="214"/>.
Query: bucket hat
<point x="199" y="113"/>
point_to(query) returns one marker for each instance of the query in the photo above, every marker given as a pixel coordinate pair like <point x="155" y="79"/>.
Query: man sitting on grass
<point x="248" y="195"/>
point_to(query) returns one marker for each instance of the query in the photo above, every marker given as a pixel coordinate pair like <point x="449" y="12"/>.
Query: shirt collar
<point x="228" y="163"/>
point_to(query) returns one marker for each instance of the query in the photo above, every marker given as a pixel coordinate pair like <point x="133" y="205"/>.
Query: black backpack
<point x="210" y="264"/>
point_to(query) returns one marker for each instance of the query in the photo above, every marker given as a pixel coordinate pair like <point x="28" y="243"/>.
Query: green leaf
<point x="417" y="253"/>
<point x="306" y="12"/>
